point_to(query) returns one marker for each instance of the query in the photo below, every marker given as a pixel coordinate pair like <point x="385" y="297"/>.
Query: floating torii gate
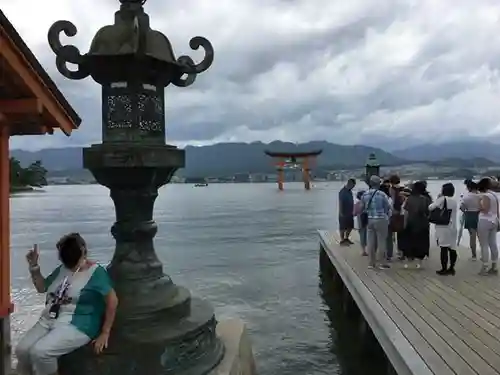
<point x="292" y="160"/>
<point x="30" y="103"/>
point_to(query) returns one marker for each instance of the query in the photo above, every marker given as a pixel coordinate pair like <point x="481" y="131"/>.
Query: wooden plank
<point x="456" y="301"/>
<point x="478" y="295"/>
<point x="481" y="358"/>
<point x="403" y="356"/>
<point x="434" y="361"/>
<point x="441" y="344"/>
<point x="464" y="301"/>
<point x="444" y="311"/>
<point x="491" y="288"/>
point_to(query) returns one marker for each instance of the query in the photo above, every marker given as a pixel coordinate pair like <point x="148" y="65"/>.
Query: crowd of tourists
<point x="389" y="215"/>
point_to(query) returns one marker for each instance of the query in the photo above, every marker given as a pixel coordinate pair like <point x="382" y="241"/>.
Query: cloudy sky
<point x="358" y="71"/>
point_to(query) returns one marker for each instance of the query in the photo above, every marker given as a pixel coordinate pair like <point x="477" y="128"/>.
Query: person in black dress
<point x="416" y="241"/>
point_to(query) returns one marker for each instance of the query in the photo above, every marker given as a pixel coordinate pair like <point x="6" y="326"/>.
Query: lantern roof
<point x="127" y="50"/>
<point x="372" y="161"/>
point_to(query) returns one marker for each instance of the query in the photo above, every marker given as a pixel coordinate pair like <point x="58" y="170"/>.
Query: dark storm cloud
<point x="300" y="70"/>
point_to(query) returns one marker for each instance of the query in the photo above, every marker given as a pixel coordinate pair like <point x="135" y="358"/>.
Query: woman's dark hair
<point x="71" y="249"/>
<point x="418" y="188"/>
<point x="484" y="184"/>
<point x="471" y="185"/>
<point x="360" y="194"/>
<point x="394" y="179"/>
<point x="385" y="188"/>
<point x="448" y="190"/>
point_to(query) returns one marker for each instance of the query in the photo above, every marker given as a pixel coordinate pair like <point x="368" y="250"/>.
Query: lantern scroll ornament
<point x="67" y="54"/>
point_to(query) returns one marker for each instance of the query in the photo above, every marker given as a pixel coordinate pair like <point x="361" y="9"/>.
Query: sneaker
<point x="484" y="271"/>
<point x="450" y="271"/>
<point x="442" y="272"/>
<point x="370" y="267"/>
<point x="349" y="241"/>
<point x="384" y="267"/>
<point x="343" y="243"/>
<point x="493" y="271"/>
<point x="418" y="266"/>
<point x="473" y="258"/>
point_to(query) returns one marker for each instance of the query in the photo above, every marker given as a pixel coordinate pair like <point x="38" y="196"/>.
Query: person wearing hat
<point x="377" y="207"/>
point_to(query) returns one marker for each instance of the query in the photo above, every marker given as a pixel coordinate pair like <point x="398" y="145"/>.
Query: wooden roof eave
<point x="24" y="63"/>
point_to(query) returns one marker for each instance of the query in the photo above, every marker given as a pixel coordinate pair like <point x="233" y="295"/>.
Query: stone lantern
<point x="160" y="328"/>
<point x="372" y="167"/>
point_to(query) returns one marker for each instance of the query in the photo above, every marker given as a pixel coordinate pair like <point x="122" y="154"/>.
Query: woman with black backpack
<point x="443" y="213"/>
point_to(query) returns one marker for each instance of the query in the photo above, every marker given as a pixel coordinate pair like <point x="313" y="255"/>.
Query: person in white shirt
<point x="487" y="227"/>
<point x="470" y="207"/>
<point x="446" y="235"/>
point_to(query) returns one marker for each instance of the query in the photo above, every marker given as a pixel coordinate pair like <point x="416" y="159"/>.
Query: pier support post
<point x="325" y="265"/>
<point x="368" y="339"/>
<point x="390" y="368"/>
<point x="328" y="269"/>
<point x="348" y="304"/>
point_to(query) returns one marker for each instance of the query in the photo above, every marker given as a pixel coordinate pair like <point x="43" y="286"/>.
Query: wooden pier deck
<point x="426" y="324"/>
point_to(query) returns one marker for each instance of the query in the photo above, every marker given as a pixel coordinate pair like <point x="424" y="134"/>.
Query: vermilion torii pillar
<point x="293" y="160"/>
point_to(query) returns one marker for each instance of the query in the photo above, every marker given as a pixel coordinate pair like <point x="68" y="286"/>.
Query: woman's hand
<point x="32" y="256"/>
<point x="101" y="342"/>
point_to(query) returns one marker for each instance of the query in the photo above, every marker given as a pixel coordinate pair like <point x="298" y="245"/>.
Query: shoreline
<point x="24" y="189"/>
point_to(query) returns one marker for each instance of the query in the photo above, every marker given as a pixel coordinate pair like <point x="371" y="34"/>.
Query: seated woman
<point x="80" y="307"/>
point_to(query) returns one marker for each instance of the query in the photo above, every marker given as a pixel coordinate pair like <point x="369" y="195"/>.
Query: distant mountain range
<point x="460" y="150"/>
<point x="224" y="159"/>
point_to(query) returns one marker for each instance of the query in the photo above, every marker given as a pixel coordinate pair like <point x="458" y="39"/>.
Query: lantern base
<point x="185" y="345"/>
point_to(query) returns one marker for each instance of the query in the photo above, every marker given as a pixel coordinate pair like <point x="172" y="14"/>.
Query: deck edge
<point x="402" y="355"/>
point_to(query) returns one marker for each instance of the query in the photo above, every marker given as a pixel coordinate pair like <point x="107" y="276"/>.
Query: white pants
<point x="43" y="344"/>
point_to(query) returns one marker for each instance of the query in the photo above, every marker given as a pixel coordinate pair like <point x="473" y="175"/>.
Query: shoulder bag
<point x="364" y="215"/>
<point x="440" y="215"/>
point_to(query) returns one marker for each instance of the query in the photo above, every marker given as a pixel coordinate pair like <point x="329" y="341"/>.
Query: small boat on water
<point x="201" y="184"/>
